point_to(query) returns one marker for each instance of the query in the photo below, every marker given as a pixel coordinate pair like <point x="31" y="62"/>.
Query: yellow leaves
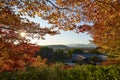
<point x="1" y="4"/>
<point x="62" y="13"/>
<point x="59" y="2"/>
<point x="105" y="31"/>
<point x="12" y="3"/>
<point x="105" y="47"/>
<point x="114" y="0"/>
<point x="38" y="13"/>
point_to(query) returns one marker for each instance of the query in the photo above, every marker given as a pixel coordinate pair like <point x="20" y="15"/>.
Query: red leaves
<point x="83" y="28"/>
<point x="18" y="56"/>
<point x="111" y="61"/>
<point x="27" y="48"/>
<point x="67" y="67"/>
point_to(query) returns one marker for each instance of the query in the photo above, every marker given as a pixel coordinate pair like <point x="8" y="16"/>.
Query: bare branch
<point x="57" y="6"/>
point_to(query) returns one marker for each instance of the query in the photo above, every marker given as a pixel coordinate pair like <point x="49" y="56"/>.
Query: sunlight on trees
<point x="22" y="34"/>
<point x="63" y="15"/>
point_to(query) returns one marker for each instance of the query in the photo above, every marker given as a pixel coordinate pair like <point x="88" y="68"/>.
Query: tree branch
<point x="41" y="30"/>
<point x="57" y="6"/>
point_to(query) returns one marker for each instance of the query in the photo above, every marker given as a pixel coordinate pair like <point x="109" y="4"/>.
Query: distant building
<point x="85" y="55"/>
<point x="86" y="58"/>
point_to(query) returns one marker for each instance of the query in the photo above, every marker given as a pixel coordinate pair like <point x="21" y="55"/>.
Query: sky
<point x="65" y="38"/>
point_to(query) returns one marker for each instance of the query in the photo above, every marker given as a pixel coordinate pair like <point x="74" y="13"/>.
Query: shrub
<point x="55" y="72"/>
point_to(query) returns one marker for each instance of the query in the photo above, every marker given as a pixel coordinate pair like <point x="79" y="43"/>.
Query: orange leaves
<point x="38" y="62"/>
<point x="111" y="61"/>
<point x="61" y="13"/>
<point x="11" y="65"/>
<point x="64" y="15"/>
<point x="106" y="21"/>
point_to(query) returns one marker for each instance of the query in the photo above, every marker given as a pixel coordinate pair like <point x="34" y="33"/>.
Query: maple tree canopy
<point x="63" y="15"/>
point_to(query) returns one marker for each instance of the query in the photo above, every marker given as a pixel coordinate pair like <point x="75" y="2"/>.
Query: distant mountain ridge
<point x="72" y="45"/>
<point x="82" y="45"/>
<point x="58" y="46"/>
